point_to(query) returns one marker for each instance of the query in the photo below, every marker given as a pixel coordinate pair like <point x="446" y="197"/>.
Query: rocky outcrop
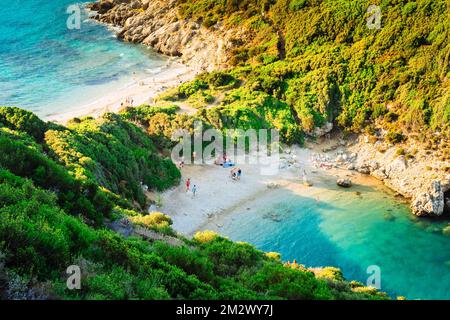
<point x="415" y="173"/>
<point x="157" y="23"/>
<point x="322" y="131"/>
<point x="430" y="201"/>
<point x="345" y="183"/>
<point x="413" y="177"/>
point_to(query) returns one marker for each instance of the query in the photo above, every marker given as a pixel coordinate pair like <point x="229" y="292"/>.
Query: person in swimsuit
<point x="188" y="184"/>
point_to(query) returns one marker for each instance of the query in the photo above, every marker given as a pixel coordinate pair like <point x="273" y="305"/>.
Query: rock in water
<point x="345" y="183"/>
<point x="429" y="202"/>
<point x="307" y="183"/>
<point x="446" y="231"/>
<point x="389" y="217"/>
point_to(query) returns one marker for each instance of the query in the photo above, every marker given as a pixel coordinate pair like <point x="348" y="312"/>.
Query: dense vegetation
<point x="57" y="186"/>
<point x="319" y="58"/>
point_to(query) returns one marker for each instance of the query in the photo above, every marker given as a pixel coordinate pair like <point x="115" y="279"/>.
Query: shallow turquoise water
<point x="47" y="68"/>
<point x="353" y="232"/>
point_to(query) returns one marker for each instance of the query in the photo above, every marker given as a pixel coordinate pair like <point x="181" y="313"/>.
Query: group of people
<point x="188" y="187"/>
<point x="224" y="161"/>
<point x="236" y="174"/>
<point x="181" y="163"/>
<point x="128" y="102"/>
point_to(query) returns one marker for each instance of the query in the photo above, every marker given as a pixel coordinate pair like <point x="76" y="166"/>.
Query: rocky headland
<point x="157" y="23"/>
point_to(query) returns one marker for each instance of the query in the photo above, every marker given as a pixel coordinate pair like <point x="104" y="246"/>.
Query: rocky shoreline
<point x="420" y="177"/>
<point x="412" y="172"/>
<point x="157" y="23"/>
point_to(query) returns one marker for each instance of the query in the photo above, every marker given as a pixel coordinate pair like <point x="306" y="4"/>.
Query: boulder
<point x="340" y="159"/>
<point x="282" y="165"/>
<point x="101" y="7"/>
<point x="429" y="202"/>
<point x="364" y="169"/>
<point x="325" y="129"/>
<point x="345" y="183"/>
<point x="380" y="174"/>
<point x="399" y="165"/>
<point x="374" y="165"/>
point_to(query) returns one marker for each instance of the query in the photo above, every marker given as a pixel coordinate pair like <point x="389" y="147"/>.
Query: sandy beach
<point x="140" y="90"/>
<point x="219" y="196"/>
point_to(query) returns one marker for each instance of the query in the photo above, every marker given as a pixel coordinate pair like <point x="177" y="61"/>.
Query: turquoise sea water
<point x="47" y="68"/>
<point x="338" y="227"/>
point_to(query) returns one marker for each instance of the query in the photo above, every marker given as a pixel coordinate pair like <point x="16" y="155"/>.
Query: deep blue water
<point x="47" y="68"/>
<point x="338" y="227"/>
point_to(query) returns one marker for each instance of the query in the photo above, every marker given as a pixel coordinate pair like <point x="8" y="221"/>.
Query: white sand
<point x="142" y="91"/>
<point x="218" y="195"/>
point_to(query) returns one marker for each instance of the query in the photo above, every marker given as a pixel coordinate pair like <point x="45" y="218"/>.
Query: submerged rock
<point x="446" y="231"/>
<point x="272" y="216"/>
<point x="389" y="216"/>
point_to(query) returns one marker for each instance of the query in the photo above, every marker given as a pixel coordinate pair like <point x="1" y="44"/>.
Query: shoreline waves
<point x="142" y="91"/>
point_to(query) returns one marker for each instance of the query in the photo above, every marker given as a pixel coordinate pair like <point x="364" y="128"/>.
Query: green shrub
<point x="21" y="120"/>
<point x="144" y="112"/>
<point x="400" y="152"/>
<point x="189" y="88"/>
<point x="330" y="273"/>
<point x="219" y="79"/>
<point x="395" y="137"/>
<point x="296" y="5"/>
<point x="205" y="236"/>
<point x="156" y="220"/>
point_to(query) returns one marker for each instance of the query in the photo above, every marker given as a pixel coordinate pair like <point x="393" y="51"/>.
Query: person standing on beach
<point x="188" y="184"/>
<point x="233" y="173"/>
<point x="194" y="191"/>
